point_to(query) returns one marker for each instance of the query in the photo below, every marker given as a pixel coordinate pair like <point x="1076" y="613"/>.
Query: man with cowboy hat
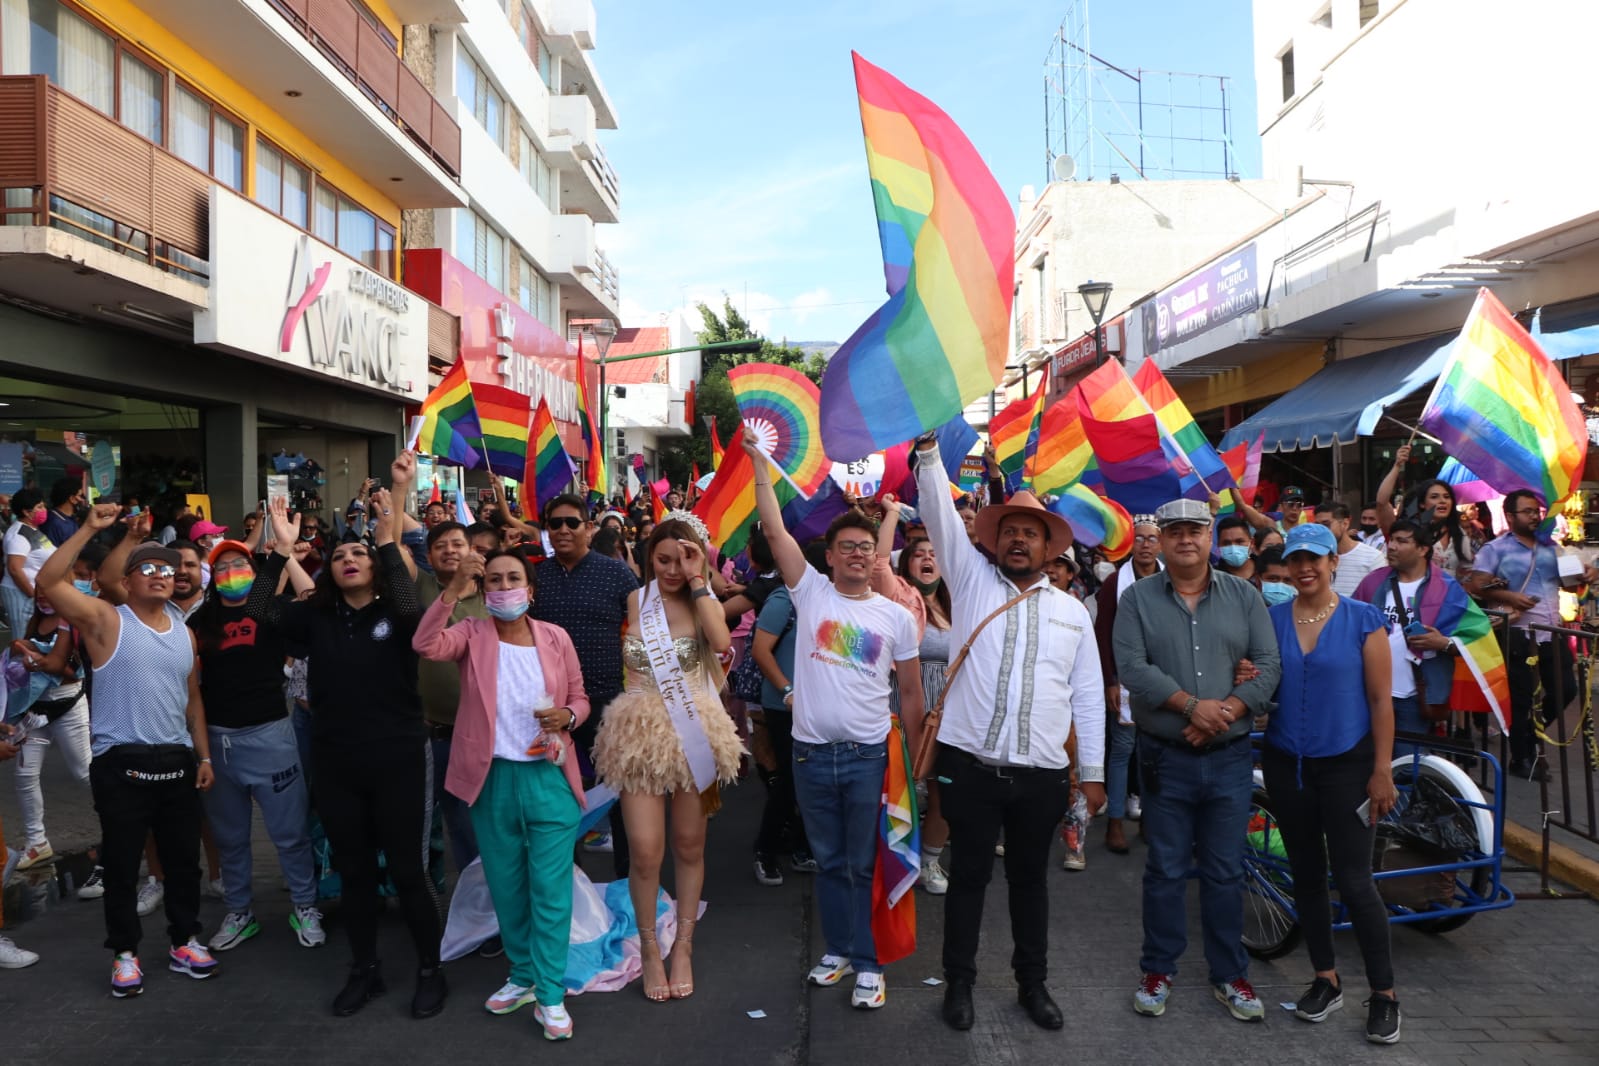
<point x="1031" y="673"/>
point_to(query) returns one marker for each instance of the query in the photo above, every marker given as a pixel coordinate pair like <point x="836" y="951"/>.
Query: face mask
<point x="927" y="588"/>
<point x="1276" y="592"/>
<point x="135" y="510"/>
<point x="1103" y="571"/>
<point x="234" y="585"/>
<point x="85" y="587"/>
<point x="506" y="604"/>
<point x="37" y="516"/>
<point x="1368" y="530"/>
<point x="1234" y="555"/>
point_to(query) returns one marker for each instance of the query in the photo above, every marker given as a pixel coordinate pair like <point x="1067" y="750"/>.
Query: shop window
<point x="281" y="185"/>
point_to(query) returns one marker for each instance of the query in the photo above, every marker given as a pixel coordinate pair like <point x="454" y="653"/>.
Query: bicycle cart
<point x="1434" y="896"/>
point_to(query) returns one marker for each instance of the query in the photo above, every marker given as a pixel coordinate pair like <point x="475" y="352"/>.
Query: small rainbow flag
<point x="1063" y="456"/>
<point x="948" y="234"/>
<point x="1014" y="432"/>
<point x="658" y="493"/>
<point x="1501" y="407"/>
<point x="899" y="855"/>
<point x="716" y="447"/>
<point x="783" y="408"/>
<point x="1243" y="465"/>
<point x="728" y="506"/>
<point x="1207" y="470"/>
<point x="1482" y="682"/>
<point x="549" y="469"/>
<point x="1095" y="520"/>
<point x="598" y="477"/>
<point x="503" y="414"/>
<point x="450" y="427"/>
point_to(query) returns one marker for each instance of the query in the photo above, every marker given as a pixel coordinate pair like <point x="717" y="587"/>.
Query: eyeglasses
<point x="1146" y="538"/>
<point x="156" y="570"/>
<point x="854" y="547"/>
<point x="564" y="522"/>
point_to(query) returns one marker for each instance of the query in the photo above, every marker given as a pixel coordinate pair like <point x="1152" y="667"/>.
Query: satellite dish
<point x="1064" y="167"/>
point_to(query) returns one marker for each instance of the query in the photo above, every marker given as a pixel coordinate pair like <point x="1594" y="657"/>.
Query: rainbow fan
<point x="783" y="408"/>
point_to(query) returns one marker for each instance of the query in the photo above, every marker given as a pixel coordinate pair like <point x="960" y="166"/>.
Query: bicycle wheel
<point x="1480" y="878"/>
<point x="1271" y="929"/>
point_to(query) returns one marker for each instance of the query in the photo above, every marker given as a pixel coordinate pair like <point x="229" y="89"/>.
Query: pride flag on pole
<point x="1095" y="520"/>
<point x="598" y="477"/>
<point x="450" y="427"/>
<point x="1063" y="456"/>
<point x="948" y="237"/>
<point x="1014" y="432"/>
<point x="549" y="469"/>
<point x="503" y="414"/>
<point x="1207" y="470"/>
<point x="1139" y="472"/>
<point x="716" y="447"/>
<point x="1243" y="465"/>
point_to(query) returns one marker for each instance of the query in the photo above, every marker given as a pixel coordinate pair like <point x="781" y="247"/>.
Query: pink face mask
<point x="507" y="604"/>
<point x="37" y="516"/>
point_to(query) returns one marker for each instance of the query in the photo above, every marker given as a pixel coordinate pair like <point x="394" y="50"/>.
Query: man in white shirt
<point x="847" y="640"/>
<point x="1356" y="559"/>
<point x="1032" y="675"/>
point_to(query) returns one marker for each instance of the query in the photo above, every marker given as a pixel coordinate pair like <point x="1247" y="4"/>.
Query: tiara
<point x="690" y="519"/>
<point x="1144" y="520"/>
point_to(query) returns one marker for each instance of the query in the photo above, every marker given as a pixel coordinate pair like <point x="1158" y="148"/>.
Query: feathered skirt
<point x="636" y="748"/>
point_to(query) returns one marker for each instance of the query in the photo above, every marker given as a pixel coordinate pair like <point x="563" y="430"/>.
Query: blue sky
<point x="739" y="148"/>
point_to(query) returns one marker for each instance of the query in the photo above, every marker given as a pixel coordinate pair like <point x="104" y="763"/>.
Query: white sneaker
<point x="556" y="1022"/>
<point x="933" y="878"/>
<point x="306" y="921"/>
<point x="151" y="893"/>
<point x="236" y="928"/>
<point x="830" y="971"/>
<point x="213" y="889"/>
<point x="1135" y="809"/>
<point x="511" y="997"/>
<point x="871" y="992"/>
<point x="13" y="957"/>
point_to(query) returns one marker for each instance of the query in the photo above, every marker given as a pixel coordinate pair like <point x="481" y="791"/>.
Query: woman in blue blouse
<point x="1327" y="764"/>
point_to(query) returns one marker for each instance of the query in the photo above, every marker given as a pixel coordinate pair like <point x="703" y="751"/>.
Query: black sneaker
<point x="803" y="862"/>
<point x="767" y="872"/>
<point x="365" y="983"/>
<point x="1322" y="999"/>
<point x="1382" y="1020"/>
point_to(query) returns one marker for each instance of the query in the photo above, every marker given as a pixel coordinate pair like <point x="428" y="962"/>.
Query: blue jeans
<point x="839" y="787"/>
<point x="457" y="816"/>
<point x="1122" y="738"/>
<point x="1408" y="717"/>
<point x="1196" y="807"/>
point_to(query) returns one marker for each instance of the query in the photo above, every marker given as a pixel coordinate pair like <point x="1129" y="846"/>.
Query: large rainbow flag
<point x="1467" y="487"/>
<point x="1140" y="469"/>
<point x="899" y="855"/>
<point x="450" y="427"/>
<point x="503" y="414"/>
<point x="549" y="469"/>
<point x="783" y="408"/>
<point x="1014" y="432"/>
<point x="598" y="477"/>
<point x="1095" y="520"/>
<point x="1063" y="456"/>
<point x="1207" y="470"/>
<point x="1502" y="408"/>
<point x="948" y="234"/>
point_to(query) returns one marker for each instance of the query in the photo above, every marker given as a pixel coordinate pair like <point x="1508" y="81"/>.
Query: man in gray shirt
<point x="1179" y="637"/>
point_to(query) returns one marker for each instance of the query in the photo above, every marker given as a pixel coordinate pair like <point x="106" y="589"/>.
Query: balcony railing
<point x="605" y="175"/>
<point x="66" y="165"/>
<point x="605" y="276"/>
<point x="355" y="46"/>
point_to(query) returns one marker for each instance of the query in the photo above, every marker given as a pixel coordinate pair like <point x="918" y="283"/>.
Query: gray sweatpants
<point x="261" y="763"/>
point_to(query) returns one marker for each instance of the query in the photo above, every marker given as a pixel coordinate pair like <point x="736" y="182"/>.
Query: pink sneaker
<point x="557" y="1023"/>
<point x="193" y="959"/>
<point x="126" y="977"/>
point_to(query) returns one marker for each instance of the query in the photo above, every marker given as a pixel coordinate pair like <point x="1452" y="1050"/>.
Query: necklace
<point x="868" y="594"/>
<point x="1313" y="619"/>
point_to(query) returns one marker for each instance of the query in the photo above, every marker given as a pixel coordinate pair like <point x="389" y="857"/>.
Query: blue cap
<point x="1312" y="537"/>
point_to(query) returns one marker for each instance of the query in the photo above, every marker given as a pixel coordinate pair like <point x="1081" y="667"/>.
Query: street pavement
<point x="1512" y="986"/>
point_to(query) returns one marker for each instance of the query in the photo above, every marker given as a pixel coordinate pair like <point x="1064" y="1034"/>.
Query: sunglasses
<point x="564" y="522"/>
<point x="156" y="570"/>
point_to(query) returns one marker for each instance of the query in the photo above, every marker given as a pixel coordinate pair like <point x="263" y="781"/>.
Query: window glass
<point x="191" y="128"/>
<point x="466" y="80"/>
<point x="227" y="140"/>
<point x="295" y="184"/>
<point x="358" y="236"/>
<point x="325" y="215"/>
<point x="84" y="56"/>
<point x="494" y="273"/>
<point x="141" y="98"/>
<point x="383" y="260"/>
<point x="268" y="176"/>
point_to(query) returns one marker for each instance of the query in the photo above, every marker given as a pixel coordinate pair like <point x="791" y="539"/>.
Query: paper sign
<point x="103" y="468"/>
<point x="414" y="432"/>
<point x="10" y="467"/>
<point x="863" y="477"/>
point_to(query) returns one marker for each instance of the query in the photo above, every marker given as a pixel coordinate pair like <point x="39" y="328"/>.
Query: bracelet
<point x="571" y="720"/>
<point x="1188" y="708"/>
<point x="787" y="689"/>
<point x="206" y="759"/>
<point x="701" y="593"/>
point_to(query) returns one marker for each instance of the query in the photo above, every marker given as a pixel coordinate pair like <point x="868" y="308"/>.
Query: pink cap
<point x="206" y="528"/>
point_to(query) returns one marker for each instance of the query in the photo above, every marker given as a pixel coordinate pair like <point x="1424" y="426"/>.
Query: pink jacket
<point x="474" y="644"/>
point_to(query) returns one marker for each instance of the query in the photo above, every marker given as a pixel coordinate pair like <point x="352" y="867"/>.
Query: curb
<point x="1565" y="864"/>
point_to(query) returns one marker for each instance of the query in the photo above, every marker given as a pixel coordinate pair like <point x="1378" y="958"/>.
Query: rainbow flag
<point x="450" y="427"/>
<point x="1140" y="469"/>
<point x="1467" y="487"/>
<point x="549" y="469"/>
<point x="1063" y="456"/>
<point x="598" y="477"/>
<point x="716" y="447"/>
<point x="1206" y="468"/>
<point x="1243" y="465"/>
<point x="1014" y="432"/>
<point x="899" y="855"/>
<point x="948" y="234"/>
<point x="1502" y="408"/>
<point x="503" y="414"/>
<point x="1095" y="520"/>
<point x="1482" y="682"/>
<point x="783" y="408"/>
<point x="658" y="492"/>
<point x="728" y="505"/>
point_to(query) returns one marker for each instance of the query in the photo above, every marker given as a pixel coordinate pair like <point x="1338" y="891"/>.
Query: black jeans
<point x="978" y="802"/>
<point x="380" y="797"/>
<point x="781" y="811"/>
<point x="583" y="737"/>
<point x="141" y="790"/>
<point x="1315" y="801"/>
<point x="1554" y="663"/>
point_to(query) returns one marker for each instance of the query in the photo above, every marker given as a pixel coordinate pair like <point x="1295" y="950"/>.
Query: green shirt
<point x="440" y="683"/>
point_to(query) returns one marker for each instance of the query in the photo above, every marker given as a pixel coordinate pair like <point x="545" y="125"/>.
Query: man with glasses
<point x="151" y="751"/>
<point x="585" y="594"/>
<point x="1520" y="572"/>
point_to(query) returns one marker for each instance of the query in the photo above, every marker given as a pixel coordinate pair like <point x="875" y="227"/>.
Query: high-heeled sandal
<point x="685" y="939"/>
<point x="647" y="946"/>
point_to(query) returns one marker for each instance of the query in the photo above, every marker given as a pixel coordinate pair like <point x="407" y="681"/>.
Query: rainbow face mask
<point x="234" y="585"/>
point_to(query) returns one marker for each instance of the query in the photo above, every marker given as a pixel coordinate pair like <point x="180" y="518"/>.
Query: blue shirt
<point x="1321" y="700"/>
<point x="1508" y="558"/>
<point x="777" y="616"/>
<point x="589" y="601"/>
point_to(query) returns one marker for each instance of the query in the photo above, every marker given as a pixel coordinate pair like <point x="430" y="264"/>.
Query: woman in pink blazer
<point x="521" y="695"/>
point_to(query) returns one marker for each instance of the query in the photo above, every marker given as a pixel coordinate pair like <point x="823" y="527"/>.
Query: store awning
<point x="1271" y="376"/>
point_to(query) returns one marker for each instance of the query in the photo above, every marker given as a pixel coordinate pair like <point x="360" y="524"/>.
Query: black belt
<point x="1004" y="773"/>
<point x="1182" y="745"/>
<point x="440" y="732"/>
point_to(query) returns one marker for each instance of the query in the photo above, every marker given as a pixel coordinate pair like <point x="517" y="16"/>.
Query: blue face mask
<point x="1234" y="555"/>
<point x="85" y="587"/>
<point x="1276" y="592"/>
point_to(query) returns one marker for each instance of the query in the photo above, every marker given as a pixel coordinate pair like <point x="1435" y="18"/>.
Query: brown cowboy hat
<point x="1024" y="502"/>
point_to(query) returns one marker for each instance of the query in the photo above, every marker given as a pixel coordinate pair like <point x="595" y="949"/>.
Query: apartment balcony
<point x="571" y="130"/>
<point x="569" y="35"/>
<point x="428" y="12"/>
<point x="571" y="24"/>
<point x="588" y="280"/>
<point x="327" y="70"/>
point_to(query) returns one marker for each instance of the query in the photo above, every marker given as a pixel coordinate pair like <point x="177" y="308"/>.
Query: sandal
<point x="648" y="946"/>
<point x="685" y="939"/>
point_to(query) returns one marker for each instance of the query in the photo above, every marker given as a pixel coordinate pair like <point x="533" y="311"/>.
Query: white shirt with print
<point x="844" y="649"/>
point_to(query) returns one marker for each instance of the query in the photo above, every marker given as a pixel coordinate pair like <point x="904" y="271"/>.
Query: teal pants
<point x="526" y="823"/>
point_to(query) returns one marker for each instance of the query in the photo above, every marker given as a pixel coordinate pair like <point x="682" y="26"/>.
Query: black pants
<point x="781" y="811"/>
<point x="380" y="797"/>
<point x="1315" y="801"/>
<point x="583" y="737"/>
<point x="978" y="802"/>
<point x="1554" y="670"/>
<point x="141" y="790"/>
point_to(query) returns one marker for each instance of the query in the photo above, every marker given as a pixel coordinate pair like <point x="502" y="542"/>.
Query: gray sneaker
<point x="306" y="921"/>
<point x="1238" y="995"/>
<point x="236" y="928"/>
<point x="151" y="893"/>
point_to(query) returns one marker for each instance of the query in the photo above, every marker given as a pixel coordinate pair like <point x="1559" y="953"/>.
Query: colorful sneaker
<point x="1076" y="859"/>
<point x="1238" y="995"/>
<point x="13" y="957"/>
<point x="93" y="886"/>
<point x="1153" y="990"/>
<point x="933" y="878"/>
<point x="597" y="843"/>
<point x="767" y="872"/>
<point x="1321" y="999"/>
<point x="871" y="992"/>
<point x="193" y="959"/>
<point x="830" y="971"/>
<point x="126" y="977"/>
<point x="36" y="855"/>
<point x="510" y="998"/>
<point x="556" y="1022"/>
<point x="236" y="928"/>
<point x="151" y="893"/>
<point x="306" y="921"/>
<point x="1382" y="1020"/>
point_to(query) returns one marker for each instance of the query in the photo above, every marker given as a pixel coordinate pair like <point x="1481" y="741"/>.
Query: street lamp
<point x="1096" y="294"/>
<point x="604" y="332"/>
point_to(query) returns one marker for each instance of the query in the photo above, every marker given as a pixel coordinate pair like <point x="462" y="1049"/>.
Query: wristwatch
<point x="701" y="593"/>
<point x="1188" y="707"/>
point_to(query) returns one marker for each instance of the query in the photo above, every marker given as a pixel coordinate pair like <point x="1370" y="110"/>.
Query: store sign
<point x="332" y="316"/>
<point x="1223" y="291"/>
<point x="1081" y="352"/>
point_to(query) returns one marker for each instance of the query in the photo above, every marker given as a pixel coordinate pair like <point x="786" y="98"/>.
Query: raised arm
<point x="1254" y="517"/>
<point x="959" y="561"/>
<point x="785" y="549"/>
<point x="116" y="560"/>
<point x="93" y="617"/>
<point x="1388" y="486"/>
<point x="887" y="583"/>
